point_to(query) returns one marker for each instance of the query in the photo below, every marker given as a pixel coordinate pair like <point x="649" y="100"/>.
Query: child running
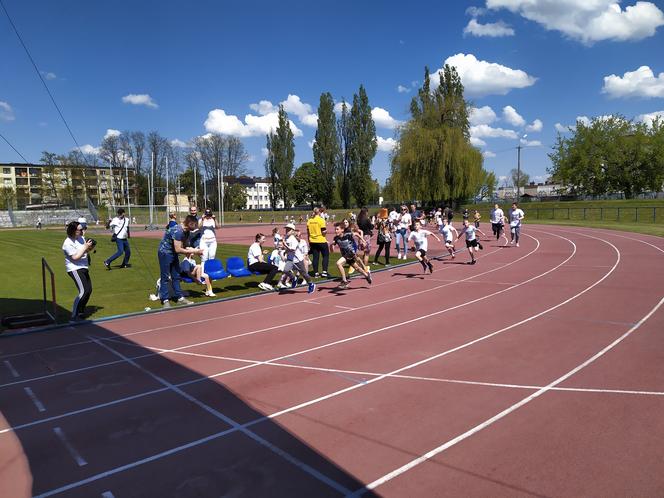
<point x="419" y="235"/>
<point x="294" y="260"/>
<point x="344" y="240"/>
<point x="516" y="215"/>
<point x="472" y="242"/>
<point x="450" y="235"/>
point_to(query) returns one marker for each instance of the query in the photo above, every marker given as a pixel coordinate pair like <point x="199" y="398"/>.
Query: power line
<point x="15" y="150"/>
<point x="40" y="79"/>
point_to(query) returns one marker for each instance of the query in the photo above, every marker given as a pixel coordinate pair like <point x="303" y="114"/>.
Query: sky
<point x="531" y="69"/>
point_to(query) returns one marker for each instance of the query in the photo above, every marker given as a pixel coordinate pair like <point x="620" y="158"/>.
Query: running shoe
<point x="351" y="270"/>
<point x="517" y="244"/>
<point x="293" y="283"/>
<point x="265" y="287"/>
<point x="324" y="274"/>
<point x="430" y="267"/>
<point x="311" y="288"/>
<point x="480" y="245"/>
<point x="343" y="285"/>
<point x="282" y="285"/>
<point x="210" y="294"/>
<point x="184" y="300"/>
<point x="107" y="265"/>
<point x="166" y="304"/>
<point x="368" y="277"/>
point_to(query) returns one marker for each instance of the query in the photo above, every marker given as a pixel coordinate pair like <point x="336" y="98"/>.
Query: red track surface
<point x="536" y="372"/>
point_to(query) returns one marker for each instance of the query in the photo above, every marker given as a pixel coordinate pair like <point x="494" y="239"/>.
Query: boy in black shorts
<point x="344" y="240"/>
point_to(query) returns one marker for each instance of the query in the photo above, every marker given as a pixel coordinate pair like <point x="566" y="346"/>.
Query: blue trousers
<point x="169" y="268"/>
<point x="123" y="247"/>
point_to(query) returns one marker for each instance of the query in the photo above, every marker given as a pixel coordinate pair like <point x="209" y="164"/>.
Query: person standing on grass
<point x="344" y="240"/>
<point x="120" y="227"/>
<point x="207" y="225"/>
<point x="316" y="230"/>
<point x="384" y="239"/>
<point x="472" y="241"/>
<point x="76" y="250"/>
<point x="497" y="220"/>
<point x="172" y="220"/>
<point x="476" y="218"/>
<point x="171" y="245"/>
<point x="516" y="215"/>
<point x="450" y="235"/>
<point x="257" y="263"/>
<point x="419" y="236"/>
<point x="365" y="224"/>
<point x="195" y="235"/>
<point x="402" y="228"/>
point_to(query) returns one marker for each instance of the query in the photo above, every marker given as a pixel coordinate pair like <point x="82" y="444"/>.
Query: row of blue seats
<point x="215" y="269"/>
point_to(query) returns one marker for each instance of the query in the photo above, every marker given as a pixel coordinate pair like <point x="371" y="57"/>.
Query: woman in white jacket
<point x="208" y="242"/>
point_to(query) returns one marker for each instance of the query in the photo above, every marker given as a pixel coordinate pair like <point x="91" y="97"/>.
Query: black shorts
<point x="422" y="252"/>
<point x="471" y="243"/>
<point x="349" y="257"/>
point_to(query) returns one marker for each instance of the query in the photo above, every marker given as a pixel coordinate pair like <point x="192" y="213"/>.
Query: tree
<point x="49" y="189"/>
<point x="364" y="147"/>
<point x="7" y="196"/>
<point x="305" y="184"/>
<point x="281" y="150"/>
<point x="345" y="139"/>
<point x="271" y="172"/>
<point x="326" y="149"/>
<point x="488" y="186"/>
<point x="235" y="197"/>
<point x="610" y="155"/>
<point x="434" y="160"/>
<point x="519" y="177"/>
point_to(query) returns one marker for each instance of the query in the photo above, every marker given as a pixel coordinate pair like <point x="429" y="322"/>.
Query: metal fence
<point x="633" y="214"/>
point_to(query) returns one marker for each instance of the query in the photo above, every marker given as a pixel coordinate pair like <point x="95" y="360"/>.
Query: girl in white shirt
<point x="472" y="242"/>
<point x="195" y="272"/>
<point x="516" y="215"/>
<point x="419" y="235"/>
<point x="75" y="249"/>
<point x="448" y="232"/>
<point x="402" y="227"/>
<point x="257" y="263"/>
<point x="208" y="242"/>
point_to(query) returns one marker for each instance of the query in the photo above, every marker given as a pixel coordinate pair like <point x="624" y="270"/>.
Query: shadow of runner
<point x="142" y="424"/>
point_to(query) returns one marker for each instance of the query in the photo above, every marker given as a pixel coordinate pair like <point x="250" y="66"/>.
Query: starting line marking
<point x="72" y="451"/>
<point x="11" y="369"/>
<point x="35" y="400"/>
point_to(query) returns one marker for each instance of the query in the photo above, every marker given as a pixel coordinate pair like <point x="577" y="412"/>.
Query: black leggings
<point x="387" y="246"/>
<point x="271" y="270"/>
<point x="316" y="249"/>
<point x="84" y="285"/>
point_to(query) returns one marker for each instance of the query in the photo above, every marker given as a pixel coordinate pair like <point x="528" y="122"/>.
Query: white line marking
<point x="11" y="368"/>
<point x="344" y="307"/>
<point x="72" y="451"/>
<point x="507" y="411"/>
<point x="308" y="301"/>
<point x="35" y="400"/>
<point x="107" y="494"/>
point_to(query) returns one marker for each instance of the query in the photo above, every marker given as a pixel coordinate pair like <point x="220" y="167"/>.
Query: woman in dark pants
<point x="384" y="240"/>
<point x="76" y="249"/>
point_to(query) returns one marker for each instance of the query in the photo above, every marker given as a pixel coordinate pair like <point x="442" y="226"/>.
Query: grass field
<point x="115" y="292"/>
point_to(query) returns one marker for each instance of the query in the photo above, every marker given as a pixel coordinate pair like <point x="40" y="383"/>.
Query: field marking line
<point x="226" y="419"/>
<point x="436" y="451"/>
<point x="107" y="494"/>
<point x="11" y="369"/>
<point x="80" y="461"/>
<point x="34" y="399"/>
<point x="317" y="400"/>
<point x="344" y="307"/>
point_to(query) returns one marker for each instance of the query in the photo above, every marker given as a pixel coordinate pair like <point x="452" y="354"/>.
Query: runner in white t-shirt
<point x="419" y="235"/>
<point x="472" y="242"/>
<point x="516" y="215"/>
<point x="450" y="235"/>
<point x="497" y="220"/>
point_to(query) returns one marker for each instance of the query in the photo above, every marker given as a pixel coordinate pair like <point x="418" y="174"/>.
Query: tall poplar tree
<point x="281" y="149"/>
<point x="270" y="171"/>
<point x="345" y="139"/>
<point x="326" y="149"/>
<point x="364" y="147"/>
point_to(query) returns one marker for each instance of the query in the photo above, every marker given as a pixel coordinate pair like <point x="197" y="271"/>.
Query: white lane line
<point x="436" y="451"/>
<point x="72" y="451"/>
<point x="309" y="301"/>
<point x="217" y="414"/>
<point x="107" y="494"/>
<point x="11" y="369"/>
<point x="35" y="400"/>
<point x="344" y="307"/>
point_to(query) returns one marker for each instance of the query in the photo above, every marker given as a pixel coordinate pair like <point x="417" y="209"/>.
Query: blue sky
<point x="189" y="68"/>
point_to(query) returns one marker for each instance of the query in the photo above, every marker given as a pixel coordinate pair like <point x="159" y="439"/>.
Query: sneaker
<point x="125" y="266"/>
<point x="166" y="304"/>
<point x="517" y="244"/>
<point x="351" y="270"/>
<point x="324" y="274"/>
<point x="311" y="288"/>
<point x="316" y="275"/>
<point x="210" y="294"/>
<point x="282" y="285"/>
<point x="343" y="285"/>
<point x="184" y="300"/>
<point x="107" y="265"/>
<point x="473" y="262"/>
<point x="368" y="277"/>
<point x="511" y="242"/>
<point x="265" y="287"/>
<point x="294" y="283"/>
<point x="430" y="267"/>
<point x="481" y="246"/>
<point x="76" y="319"/>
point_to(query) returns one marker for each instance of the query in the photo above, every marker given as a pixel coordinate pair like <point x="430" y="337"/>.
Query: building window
<point x="7" y="171"/>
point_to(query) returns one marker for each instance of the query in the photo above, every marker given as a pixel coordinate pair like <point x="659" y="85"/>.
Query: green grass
<point x="118" y="291"/>
<point x="645" y="228"/>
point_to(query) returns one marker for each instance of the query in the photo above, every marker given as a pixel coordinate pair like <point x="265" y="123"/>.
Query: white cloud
<point x="264" y="151"/>
<point x="140" y="99"/>
<point x="6" y="112"/>
<point x="338" y="105"/>
<point x="481" y="78"/>
<point x="512" y="117"/>
<point x="490" y="29"/>
<point x="590" y="20"/>
<point x="475" y="11"/>
<point x="535" y="127"/>
<point x="403" y="89"/>
<point x="639" y="83"/>
<point x="89" y="149"/>
<point x="112" y="133"/>
<point x="253" y="126"/>
<point x="310" y="120"/>
<point x="650" y="117"/>
<point x="481" y="115"/>
<point x="488" y="154"/>
<point x="293" y="105"/>
<point x="49" y="75"/>
<point x="486" y="131"/>
<point x="584" y="119"/>
<point x="176" y="142"/>
<point x="311" y="143"/>
<point x="383" y="119"/>
<point x="386" y="144"/>
<point x="561" y="128"/>
<point x="530" y="143"/>
<point x="477" y="142"/>
<point x="264" y="107"/>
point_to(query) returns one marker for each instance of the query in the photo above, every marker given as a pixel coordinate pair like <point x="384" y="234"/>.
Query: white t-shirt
<point x="516" y="215"/>
<point x="497" y="215"/>
<point x="470" y="232"/>
<point x="208" y="226"/>
<point x="446" y="230"/>
<point x="278" y="239"/>
<point x="291" y="246"/>
<point x="119" y="227"/>
<point x="71" y="247"/>
<point x="301" y="251"/>
<point x="420" y="238"/>
<point x="254" y="253"/>
<point x="405" y="221"/>
<point x="439" y="217"/>
<point x="393" y="217"/>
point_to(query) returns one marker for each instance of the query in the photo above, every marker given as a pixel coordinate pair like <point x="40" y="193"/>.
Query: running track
<point x="536" y="372"/>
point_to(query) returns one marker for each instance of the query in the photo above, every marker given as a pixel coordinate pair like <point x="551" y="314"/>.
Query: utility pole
<point x="518" y="172"/>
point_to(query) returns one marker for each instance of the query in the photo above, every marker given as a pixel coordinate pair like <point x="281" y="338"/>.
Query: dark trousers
<point x="271" y="270"/>
<point x="84" y="285"/>
<point x="316" y="249"/>
<point x="123" y="247"/>
<point x="169" y="268"/>
<point x="387" y="246"/>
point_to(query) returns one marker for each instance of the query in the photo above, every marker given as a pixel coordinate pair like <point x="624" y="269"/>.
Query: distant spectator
<point x="120" y="228"/>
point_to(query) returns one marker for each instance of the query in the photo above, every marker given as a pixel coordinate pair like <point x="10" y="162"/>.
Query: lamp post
<point x="518" y="168"/>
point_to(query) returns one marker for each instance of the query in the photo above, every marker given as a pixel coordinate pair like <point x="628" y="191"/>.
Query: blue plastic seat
<point x="215" y="269"/>
<point x="235" y="266"/>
